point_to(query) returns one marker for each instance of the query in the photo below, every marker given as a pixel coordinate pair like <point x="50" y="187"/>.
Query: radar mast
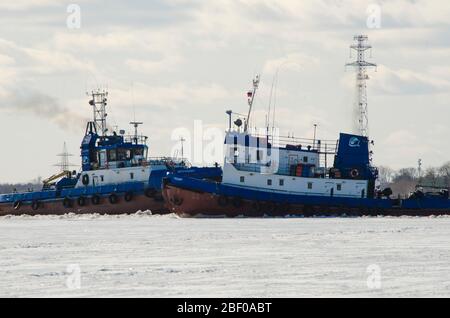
<point x="136" y="125"/>
<point x="98" y="103"/>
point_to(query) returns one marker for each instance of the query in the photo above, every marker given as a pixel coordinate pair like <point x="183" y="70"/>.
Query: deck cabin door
<point x="102" y="158"/>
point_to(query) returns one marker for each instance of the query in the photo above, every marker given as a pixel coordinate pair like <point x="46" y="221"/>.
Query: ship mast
<point x="251" y="98"/>
<point x="98" y="103"/>
<point x="361" y="66"/>
<point x="182" y="140"/>
<point x="136" y="125"/>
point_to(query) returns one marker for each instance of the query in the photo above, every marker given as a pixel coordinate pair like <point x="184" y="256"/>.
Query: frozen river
<point x="165" y="256"/>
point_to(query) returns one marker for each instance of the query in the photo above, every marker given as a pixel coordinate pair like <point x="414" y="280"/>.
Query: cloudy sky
<point x="175" y="61"/>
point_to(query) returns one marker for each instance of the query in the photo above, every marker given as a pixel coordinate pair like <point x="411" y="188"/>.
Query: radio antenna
<point x="251" y="97"/>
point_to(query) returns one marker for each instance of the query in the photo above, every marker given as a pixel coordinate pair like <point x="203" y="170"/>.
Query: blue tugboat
<point x="265" y="174"/>
<point x="116" y="175"/>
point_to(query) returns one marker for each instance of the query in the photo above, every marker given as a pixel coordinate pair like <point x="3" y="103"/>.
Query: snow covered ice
<point x="166" y="256"/>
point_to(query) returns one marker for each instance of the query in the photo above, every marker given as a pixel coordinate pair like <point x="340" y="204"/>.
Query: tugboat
<point x="116" y="176"/>
<point x="268" y="175"/>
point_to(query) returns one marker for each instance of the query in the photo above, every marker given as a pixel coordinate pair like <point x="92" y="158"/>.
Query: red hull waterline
<point x="187" y="203"/>
<point x="56" y="207"/>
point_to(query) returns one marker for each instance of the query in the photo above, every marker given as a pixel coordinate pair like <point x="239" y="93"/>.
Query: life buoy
<point x="81" y="201"/>
<point x="95" y="199"/>
<point x="128" y="196"/>
<point x="67" y="203"/>
<point x="85" y="179"/>
<point x="113" y="198"/>
<point x="35" y="205"/>
<point x="222" y="200"/>
<point x="17" y="204"/>
<point x="354" y="173"/>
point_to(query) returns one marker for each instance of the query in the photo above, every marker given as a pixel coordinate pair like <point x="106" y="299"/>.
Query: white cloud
<point x="417" y="13"/>
<point x="6" y="60"/>
<point x="407" y="81"/>
<point x="8" y="74"/>
<point x="27" y="4"/>
<point x="48" y="61"/>
<point x="404" y="147"/>
<point x="292" y="61"/>
<point x="147" y="40"/>
<point x="176" y="95"/>
<point x="167" y="63"/>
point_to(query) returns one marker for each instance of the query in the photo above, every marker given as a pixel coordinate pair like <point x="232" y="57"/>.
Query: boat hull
<point x="139" y="202"/>
<point x="190" y="203"/>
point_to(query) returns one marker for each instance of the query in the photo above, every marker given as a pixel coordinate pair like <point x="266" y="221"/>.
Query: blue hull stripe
<point x="262" y="195"/>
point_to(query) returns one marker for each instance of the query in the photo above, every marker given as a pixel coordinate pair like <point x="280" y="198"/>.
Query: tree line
<point x="33" y="185"/>
<point x="405" y="180"/>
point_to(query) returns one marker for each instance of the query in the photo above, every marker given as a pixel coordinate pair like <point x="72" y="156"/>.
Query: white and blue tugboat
<point x="265" y="174"/>
<point x="116" y="175"/>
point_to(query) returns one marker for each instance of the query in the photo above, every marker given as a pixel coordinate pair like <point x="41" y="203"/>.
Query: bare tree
<point x="385" y="175"/>
<point x="444" y="173"/>
<point x="407" y="174"/>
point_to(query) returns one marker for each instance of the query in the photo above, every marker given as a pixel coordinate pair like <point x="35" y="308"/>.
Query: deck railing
<point x="321" y="145"/>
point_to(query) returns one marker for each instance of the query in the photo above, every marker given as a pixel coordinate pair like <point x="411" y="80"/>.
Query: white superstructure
<point x="118" y="175"/>
<point x="252" y="162"/>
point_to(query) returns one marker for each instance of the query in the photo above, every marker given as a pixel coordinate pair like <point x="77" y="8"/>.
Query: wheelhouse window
<point x="112" y="155"/>
<point x="138" y="155"/>
<point x="138" y="152"/>
<point x="123" y="154"/>
<point x="102" y="158"/>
